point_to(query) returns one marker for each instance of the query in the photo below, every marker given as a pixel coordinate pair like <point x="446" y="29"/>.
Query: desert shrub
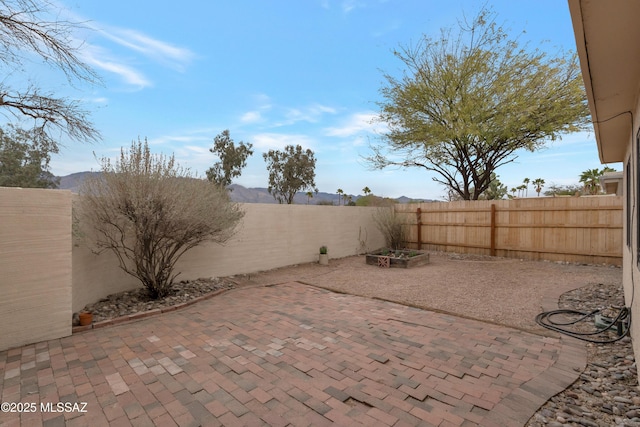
<point x="390" y="225"/>
<point x="372" y="200"/>
<point x="149" y="211"/>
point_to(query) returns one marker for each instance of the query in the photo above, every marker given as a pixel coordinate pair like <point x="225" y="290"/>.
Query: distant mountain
<point x="242" y="194"/>
<point x="74" y="181"/>
<point x="404" y="199"/>
<point x="239" y="193"/>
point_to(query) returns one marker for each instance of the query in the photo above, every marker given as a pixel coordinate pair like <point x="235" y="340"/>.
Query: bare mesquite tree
<point x="149" y="211"/>
<point x="28" y="28"/>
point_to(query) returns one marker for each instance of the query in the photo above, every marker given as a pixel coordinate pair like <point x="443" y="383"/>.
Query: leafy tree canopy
<point x="290" y="171"/>
<point x="467" y="102"/>
<point x="373" y="200"/>
<point x="496" y="190"/>
<point x="24" y="159"/>
<point x="232" y="159"/>
<point x="563" y="190"/>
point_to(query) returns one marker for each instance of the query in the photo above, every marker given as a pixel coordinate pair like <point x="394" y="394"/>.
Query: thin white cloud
<point x="261" y="104"/>
<point x="263" y="100"/>
<point x="96" y="100"/>
<point x="174" y="56"/>
<point x="321" y="109"/>
<point x="267" y="141"/>
<point x="199" y="138"/>
<point x="251" y="117"/>
<point x="197" y="149"/>
<point x="310" y="114"/>
<point x="349" y="5"/>
<point x="168" y="139"/>
<point x="345" y="6"/>
<point x="99" y="56"/>
<point x="357" y="124"/>
<point x="127" y="74"/>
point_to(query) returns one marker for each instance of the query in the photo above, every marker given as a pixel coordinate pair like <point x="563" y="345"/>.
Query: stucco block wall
<point x="96" y="276"/>
<point x="270" y="236"/>
<point x="273" y="236"/>
<point x="630" y="271"/>
<point x="35" y="265"/>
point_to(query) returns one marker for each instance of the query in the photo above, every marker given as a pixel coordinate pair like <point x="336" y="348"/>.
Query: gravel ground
<point x="509" y="292"/>
<point x="606" y="393"/>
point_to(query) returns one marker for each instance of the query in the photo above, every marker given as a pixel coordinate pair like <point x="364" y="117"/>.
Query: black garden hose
<point x="622" y="322"/>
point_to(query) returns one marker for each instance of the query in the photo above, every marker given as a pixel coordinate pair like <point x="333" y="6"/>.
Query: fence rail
<point x="573" y="229"/>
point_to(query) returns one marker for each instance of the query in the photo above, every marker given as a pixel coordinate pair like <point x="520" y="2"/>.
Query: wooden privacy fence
<point x="572" y="229"/>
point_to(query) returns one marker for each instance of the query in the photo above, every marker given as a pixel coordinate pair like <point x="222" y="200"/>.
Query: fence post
<point x="419" y="222"/>
<point x="493" y="229"/>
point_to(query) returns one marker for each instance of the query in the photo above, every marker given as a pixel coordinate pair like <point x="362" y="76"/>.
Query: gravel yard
<point x="509" y="292"/>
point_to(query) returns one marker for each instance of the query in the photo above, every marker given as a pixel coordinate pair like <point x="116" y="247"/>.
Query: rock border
<point x="148" y="313"/>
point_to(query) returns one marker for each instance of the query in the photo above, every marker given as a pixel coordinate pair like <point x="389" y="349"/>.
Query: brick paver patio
<point x="289" y="355"/>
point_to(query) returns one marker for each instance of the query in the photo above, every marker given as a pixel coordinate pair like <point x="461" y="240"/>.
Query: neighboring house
<point x="612" y="182"/>
<point x="608" y="42"/>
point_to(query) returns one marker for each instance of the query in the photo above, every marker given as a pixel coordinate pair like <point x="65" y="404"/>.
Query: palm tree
<point x="521" y="189"/>
<point x="340" y="193"/>
<point x="526" y="182"/>
<point x="513" y="191"/>
<point x="538" y="183"/>
<point x="591" y="180"/>
<point x="309" y="196"/>
<point x="366" y="191"/>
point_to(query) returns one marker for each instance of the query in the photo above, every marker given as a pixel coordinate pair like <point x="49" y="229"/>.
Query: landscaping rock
<point x="606" y="393"/>
<point x="138" y="301"/>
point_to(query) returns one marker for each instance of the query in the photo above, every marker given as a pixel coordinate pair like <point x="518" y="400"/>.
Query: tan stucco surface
<point x="35" y="265"/>
<point x="269" y="237"/>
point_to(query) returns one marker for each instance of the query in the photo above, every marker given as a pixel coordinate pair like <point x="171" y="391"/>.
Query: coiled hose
<point x="622" y="324"/>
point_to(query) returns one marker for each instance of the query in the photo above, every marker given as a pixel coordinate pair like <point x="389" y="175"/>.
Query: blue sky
<point x="281" y="72"/>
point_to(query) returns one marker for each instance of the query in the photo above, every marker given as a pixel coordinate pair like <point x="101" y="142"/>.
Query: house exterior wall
<point x="607" y="35"/>
<point x="631" y="272"/>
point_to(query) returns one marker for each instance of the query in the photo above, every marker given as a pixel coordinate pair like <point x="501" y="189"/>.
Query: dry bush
<point x="149" y="211"/>
<point x="391" y="226"/>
